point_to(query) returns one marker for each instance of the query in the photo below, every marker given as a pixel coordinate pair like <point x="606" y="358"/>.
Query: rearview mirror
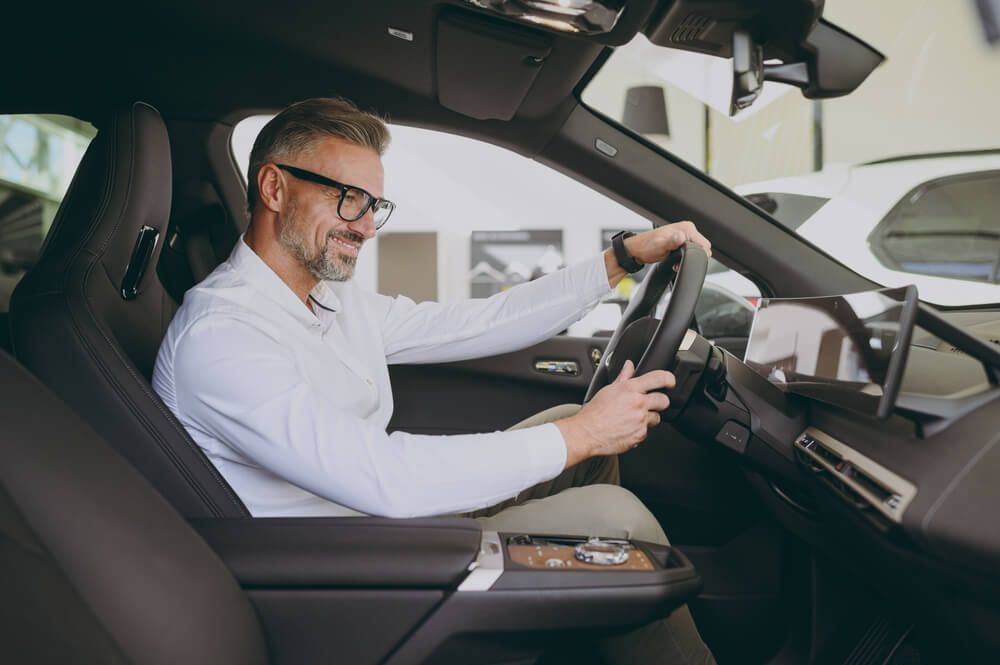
<point x="831" y="63"/>
<point x="748" y="71"/>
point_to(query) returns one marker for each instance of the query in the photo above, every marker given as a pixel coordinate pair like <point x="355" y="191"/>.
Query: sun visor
<point x="485" y="69"/>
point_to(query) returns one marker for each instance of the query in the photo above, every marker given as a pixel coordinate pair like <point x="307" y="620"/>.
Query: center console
<point x="523" y="561"/>
<point x="437" y="591"/>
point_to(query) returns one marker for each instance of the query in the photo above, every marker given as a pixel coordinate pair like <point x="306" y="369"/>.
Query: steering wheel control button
<point x="734" y="436"/>
<point x="601" y="552"/>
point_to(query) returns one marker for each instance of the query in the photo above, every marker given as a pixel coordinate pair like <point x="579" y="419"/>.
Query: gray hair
<point x="299" y="127"/>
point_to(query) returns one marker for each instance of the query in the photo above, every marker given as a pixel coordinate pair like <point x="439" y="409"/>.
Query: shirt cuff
<point x="549" y="453"/>
<point x="593" y="275"/>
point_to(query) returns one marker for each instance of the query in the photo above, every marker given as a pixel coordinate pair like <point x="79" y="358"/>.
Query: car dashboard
<point x="907" y="502"/>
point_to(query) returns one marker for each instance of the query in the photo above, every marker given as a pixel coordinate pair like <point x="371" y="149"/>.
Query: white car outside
<point x="861" y="196"/>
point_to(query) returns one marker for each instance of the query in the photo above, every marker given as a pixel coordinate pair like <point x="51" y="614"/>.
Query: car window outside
<point x="949" y="227"/>
<point x="792" y="210"/>
<point x="473" y="219"/>
<point x="928" y="112"/>
<point x="38" y="156"/>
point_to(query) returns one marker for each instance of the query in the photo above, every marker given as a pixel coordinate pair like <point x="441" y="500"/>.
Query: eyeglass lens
<point x="381" y="212"/>
<point x="355" y="202"/>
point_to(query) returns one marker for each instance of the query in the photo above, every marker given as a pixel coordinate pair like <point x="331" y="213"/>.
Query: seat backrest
<point x="95" y="566"/>
<point x="89" y="317"/>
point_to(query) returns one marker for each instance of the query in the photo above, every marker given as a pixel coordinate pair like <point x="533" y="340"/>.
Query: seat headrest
<point x="124" y="184"/>
<point x="88" y="319"/>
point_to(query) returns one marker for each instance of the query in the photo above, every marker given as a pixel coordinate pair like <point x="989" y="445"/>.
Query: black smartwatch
<point x="625" y="260"/>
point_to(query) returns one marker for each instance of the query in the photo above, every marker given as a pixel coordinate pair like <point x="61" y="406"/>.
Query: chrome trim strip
<point x="561" y="367"/>
<point x="488" y="566"/>
<point x="688" y="340"/>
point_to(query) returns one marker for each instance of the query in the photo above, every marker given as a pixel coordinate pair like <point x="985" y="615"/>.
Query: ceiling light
<point x="586" y="17"/>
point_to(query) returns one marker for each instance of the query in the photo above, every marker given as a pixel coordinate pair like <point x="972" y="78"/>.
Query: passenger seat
<point x="95" y="566"/>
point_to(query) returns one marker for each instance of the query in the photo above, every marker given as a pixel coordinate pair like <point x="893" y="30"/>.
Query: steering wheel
<point x="648" y="343"/>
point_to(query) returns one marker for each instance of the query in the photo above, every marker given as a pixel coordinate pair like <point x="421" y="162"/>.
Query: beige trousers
<point x="586" y="500"/>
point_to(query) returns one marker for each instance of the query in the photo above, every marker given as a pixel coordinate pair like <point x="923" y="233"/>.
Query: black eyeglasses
<point x="354" y="202"/>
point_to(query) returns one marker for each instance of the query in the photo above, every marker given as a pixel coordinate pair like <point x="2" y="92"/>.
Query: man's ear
<point x="271" y="192"/>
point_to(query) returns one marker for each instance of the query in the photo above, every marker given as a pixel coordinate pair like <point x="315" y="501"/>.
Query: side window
<point x="948" y="228"/>
<point x="792" y="210"/>
<point x="38" y="157"/>
<point x="473" y="219"/>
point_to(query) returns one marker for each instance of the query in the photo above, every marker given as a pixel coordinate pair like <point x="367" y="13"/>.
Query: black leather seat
<point x="89" y="317"/>
<point x="95" y="567"/>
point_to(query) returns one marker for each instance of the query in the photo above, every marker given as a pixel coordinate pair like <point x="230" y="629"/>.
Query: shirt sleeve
<point x="237" y="383"/>
<point x="514" y="319"/>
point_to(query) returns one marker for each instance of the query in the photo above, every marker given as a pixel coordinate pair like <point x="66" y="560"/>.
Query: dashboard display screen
<point x="849" y="350"/>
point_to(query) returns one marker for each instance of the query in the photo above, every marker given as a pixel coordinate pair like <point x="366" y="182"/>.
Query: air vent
<point x="691" y="29"/>
<point x="863" y="482"/>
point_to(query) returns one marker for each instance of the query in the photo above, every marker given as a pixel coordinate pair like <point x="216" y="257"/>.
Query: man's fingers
<point x="687" y="232"/>
<point x="657" y="402"/>
<point x="652" y="419"/>
<point x="701" y="240"/>
<point x="654" y="380"/>
<point x="628" y="369"/>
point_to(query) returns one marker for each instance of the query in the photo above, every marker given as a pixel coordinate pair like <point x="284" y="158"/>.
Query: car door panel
<point x="697" y="491"/>
<point x="489" y="394"/>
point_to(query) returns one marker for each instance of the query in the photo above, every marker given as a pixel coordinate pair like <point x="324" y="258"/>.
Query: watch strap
<point x="625" y="260"/>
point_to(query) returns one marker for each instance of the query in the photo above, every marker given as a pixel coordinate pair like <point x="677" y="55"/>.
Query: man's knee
<point x="595" y="510"/>
<point x="613" y="511"/>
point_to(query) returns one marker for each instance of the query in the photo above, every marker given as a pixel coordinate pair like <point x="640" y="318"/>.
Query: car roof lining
<point x="216" y="60"/>
<point x="215" y="63"/>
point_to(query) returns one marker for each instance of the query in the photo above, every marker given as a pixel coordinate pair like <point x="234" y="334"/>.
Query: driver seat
<point x="88" y="319"/>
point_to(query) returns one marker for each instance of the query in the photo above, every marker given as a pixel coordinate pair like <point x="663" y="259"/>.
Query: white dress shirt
<point x="292" y="406"/>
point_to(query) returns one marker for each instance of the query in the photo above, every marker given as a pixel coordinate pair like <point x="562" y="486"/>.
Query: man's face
<point x="309" y="226"/>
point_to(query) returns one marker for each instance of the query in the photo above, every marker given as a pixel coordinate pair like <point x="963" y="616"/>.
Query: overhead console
<point x="785" y="41"/>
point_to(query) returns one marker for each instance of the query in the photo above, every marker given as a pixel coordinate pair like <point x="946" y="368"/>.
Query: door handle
<point x="560" y="367"/>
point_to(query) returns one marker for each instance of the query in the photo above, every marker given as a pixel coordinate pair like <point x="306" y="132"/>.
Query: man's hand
<point x="653" y="246"/>
<point x="618" y="417"/>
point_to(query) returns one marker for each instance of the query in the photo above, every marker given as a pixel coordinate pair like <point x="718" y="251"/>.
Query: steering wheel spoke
<point x="650" y="343"/>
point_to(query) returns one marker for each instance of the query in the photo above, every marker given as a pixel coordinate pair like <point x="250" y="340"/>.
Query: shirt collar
<point x="251" y="267"/>
<point x="325" y="296"/>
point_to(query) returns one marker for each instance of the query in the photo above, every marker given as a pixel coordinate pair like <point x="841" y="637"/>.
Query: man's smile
<point x="349" y="243"/>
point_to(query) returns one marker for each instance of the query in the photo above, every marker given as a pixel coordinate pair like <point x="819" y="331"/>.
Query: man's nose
<point x="365" y="226"/>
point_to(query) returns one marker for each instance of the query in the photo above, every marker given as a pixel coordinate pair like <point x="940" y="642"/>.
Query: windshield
<point x="900" y="180"/>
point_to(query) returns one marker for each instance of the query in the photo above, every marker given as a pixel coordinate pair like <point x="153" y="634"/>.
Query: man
<point x="277" y="363"/>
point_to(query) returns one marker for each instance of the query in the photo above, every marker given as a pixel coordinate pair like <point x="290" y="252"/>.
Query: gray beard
<point x="321" y="265"/>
